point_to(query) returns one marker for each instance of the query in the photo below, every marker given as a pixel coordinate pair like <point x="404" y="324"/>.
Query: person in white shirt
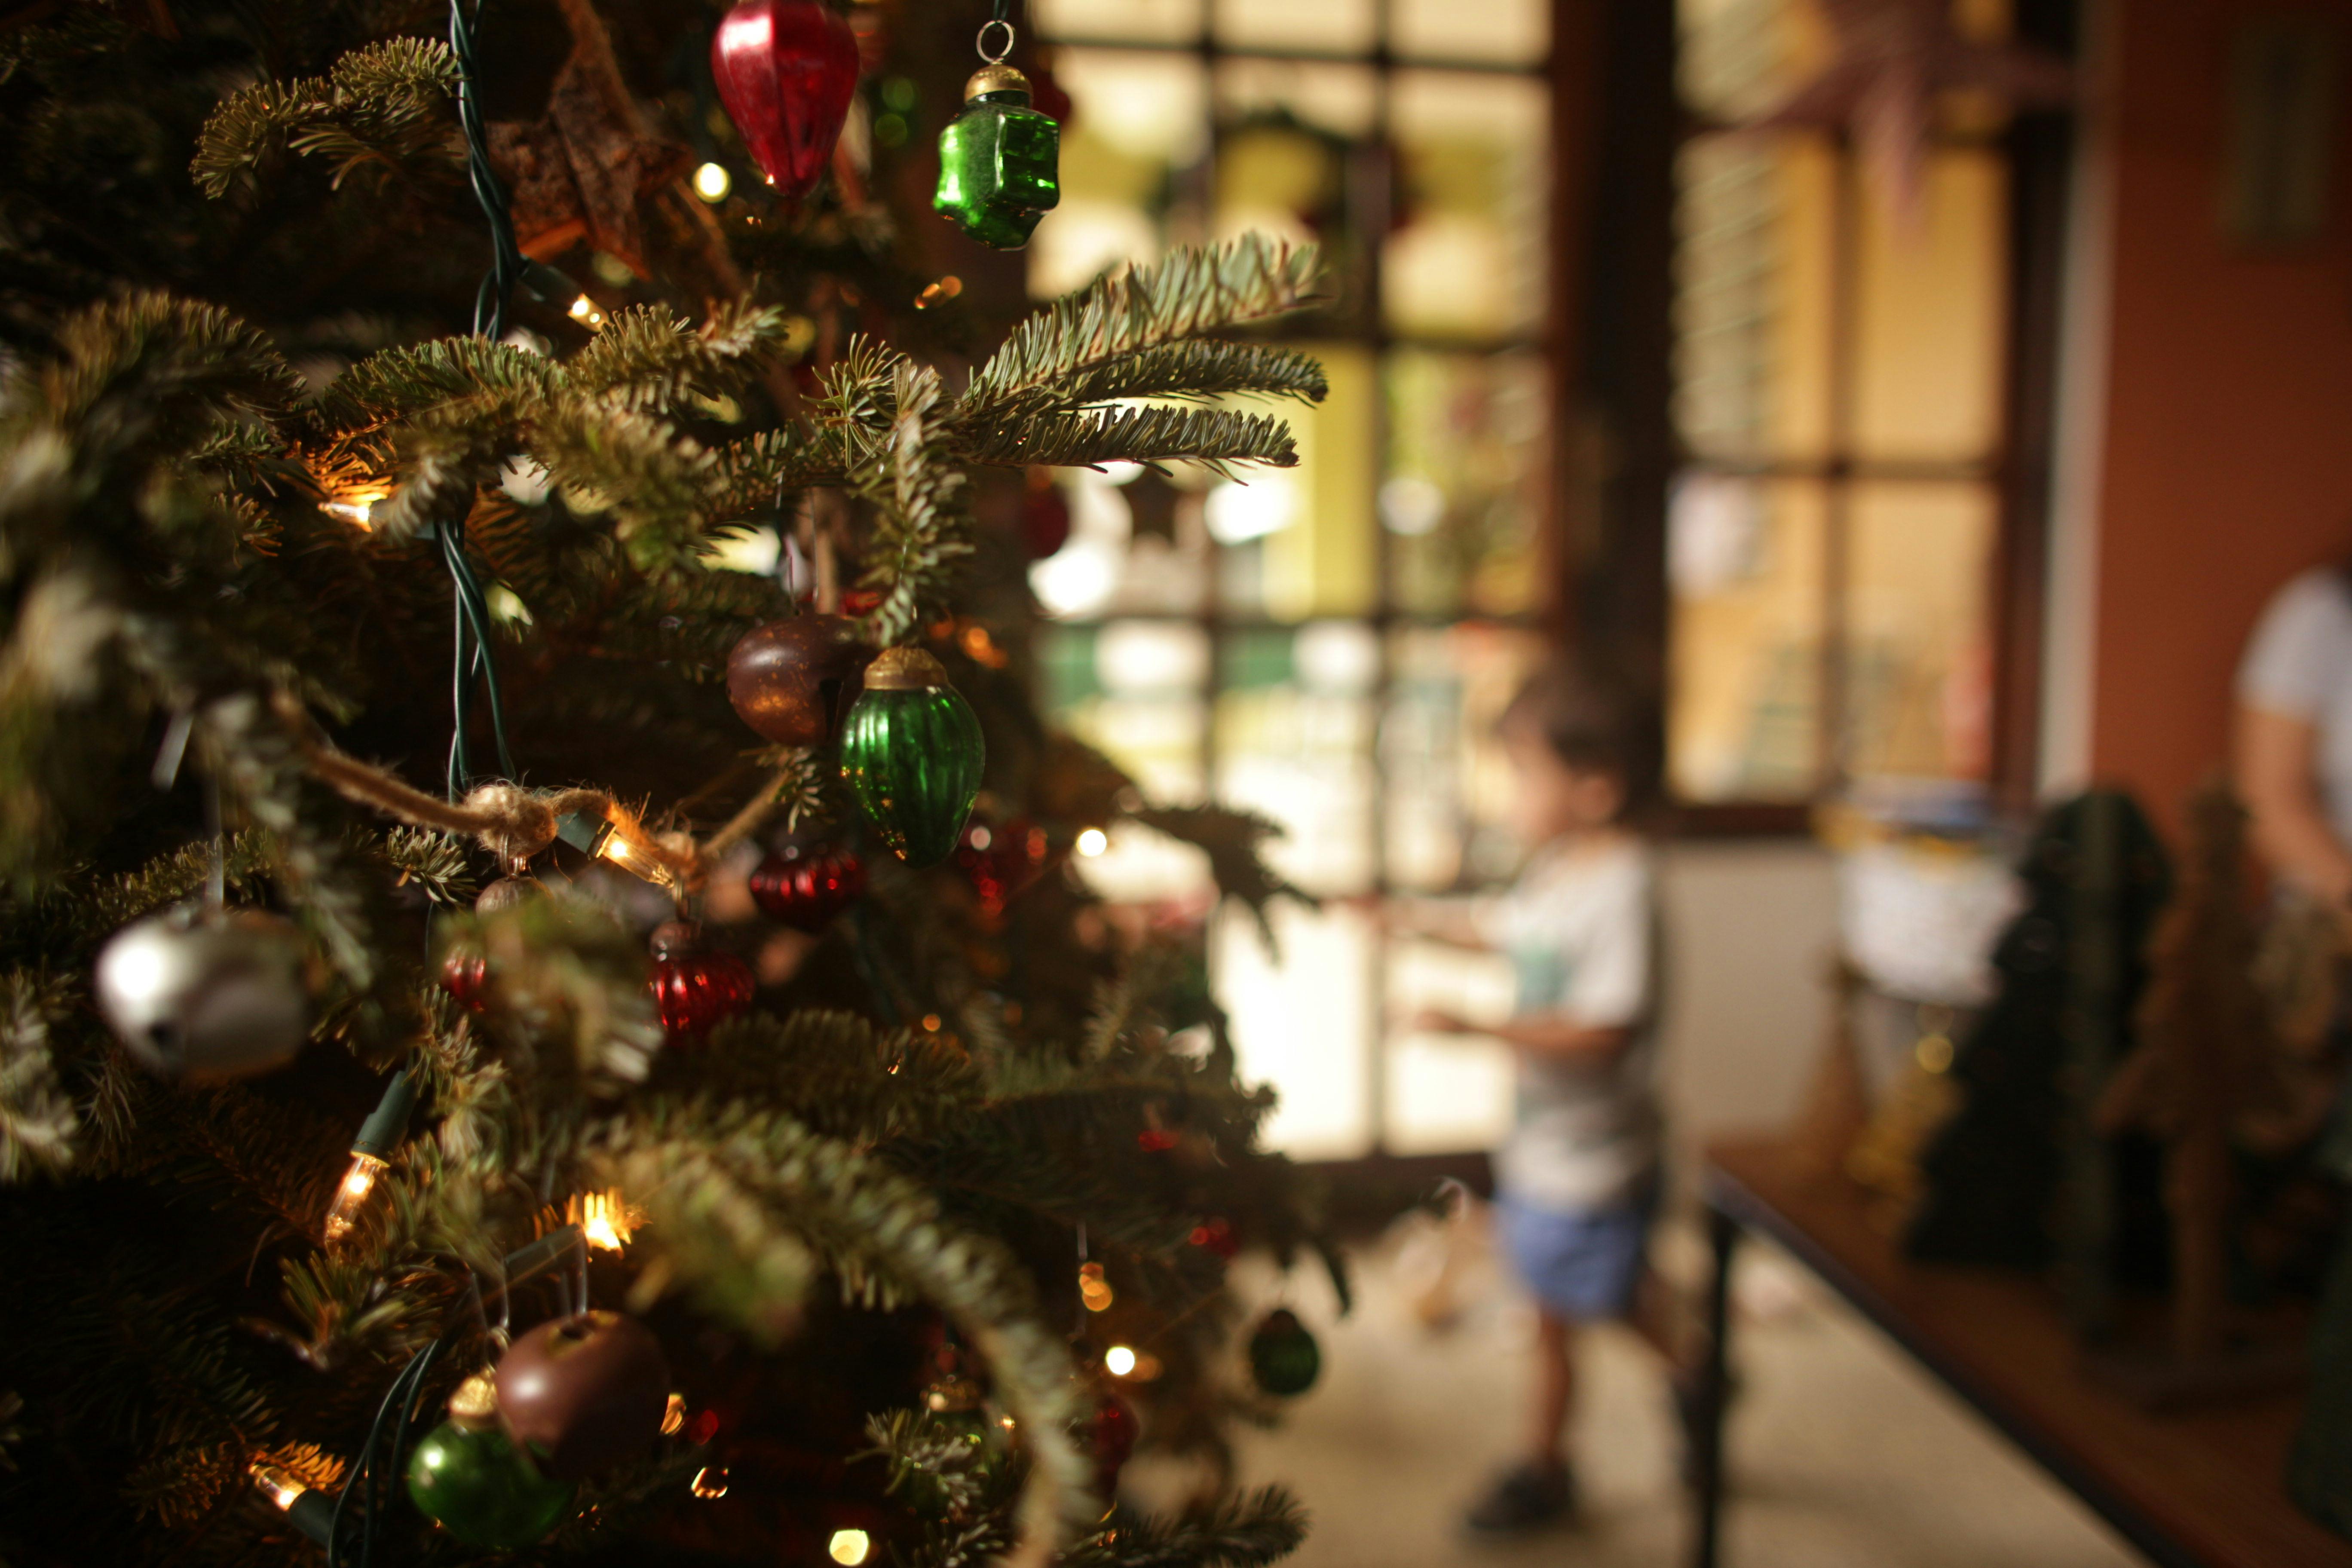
<point x="1578" y="1178"/>
<point x="2291" y="752"/>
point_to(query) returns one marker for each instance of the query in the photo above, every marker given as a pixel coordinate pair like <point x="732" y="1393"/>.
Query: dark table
<point x="2198" y="1488"/>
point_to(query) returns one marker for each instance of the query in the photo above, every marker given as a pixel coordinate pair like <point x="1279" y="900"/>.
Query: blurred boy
<point x="1577" y="1180"/>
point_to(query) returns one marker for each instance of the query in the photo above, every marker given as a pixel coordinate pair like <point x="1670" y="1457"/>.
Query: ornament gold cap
<point x="905" y="669"/>
<point x="475" y="1405"/>
<point x="993" y="79"/>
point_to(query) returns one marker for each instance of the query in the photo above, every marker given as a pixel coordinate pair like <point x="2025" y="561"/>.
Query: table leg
<point x="1714" y="1389"/>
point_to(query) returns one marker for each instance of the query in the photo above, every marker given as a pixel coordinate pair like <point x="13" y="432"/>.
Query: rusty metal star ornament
<point x="1893" y="59"/>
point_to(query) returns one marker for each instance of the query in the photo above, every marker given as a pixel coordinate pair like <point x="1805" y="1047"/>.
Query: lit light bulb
<point x="585" y="310"/>
<point x="712" y="182"/>
<point x="617" y="837"/>
<point x="352" y="1195"/>
<point x="674" y="1415"/>
<point x="1118" y="1361"/>
<point x="311" y="1512"/>
<point x="278" y="1486"/>
<point x="1093" y="1289"/>
<point x="711" y="1482"/>
<point x="604" y="1221"/>
<point x="355" y="507"/>
<point x="849" y="1547"/>
<point x="1093" y="842"/>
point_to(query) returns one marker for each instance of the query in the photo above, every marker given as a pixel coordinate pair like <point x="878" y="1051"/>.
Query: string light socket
<point x="306" y="1509"/>
<point x="619" y="839"/>
<point x="380" y="1135"/>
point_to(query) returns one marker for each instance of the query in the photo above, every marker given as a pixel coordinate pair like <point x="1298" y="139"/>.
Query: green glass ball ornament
<point x="912" y="754"/>
<point x="1283" y="1356"/>
<point x="470" y="1477"/>
<point x="999" y="161"/>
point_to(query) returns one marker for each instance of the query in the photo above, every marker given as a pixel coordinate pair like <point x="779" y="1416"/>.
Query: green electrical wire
<point x="472" y="653"/>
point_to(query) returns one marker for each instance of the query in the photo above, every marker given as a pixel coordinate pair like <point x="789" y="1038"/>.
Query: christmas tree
<point x="376" y="679"/>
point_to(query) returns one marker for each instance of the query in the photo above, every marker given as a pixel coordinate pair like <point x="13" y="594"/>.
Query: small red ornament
<point x="1110" y="1441"/>
<point x="695" y="988"/>
<point x="1156" y="1139"/>
<point x="806" y="887"/>
<point x="787" y="679"/>
<point x="1044" y="515"/>
<point x="786" y="70"/>
<point x="465" y="974"/>
<point x="1003" y="860"/>
<point x="1216" y="1235"/>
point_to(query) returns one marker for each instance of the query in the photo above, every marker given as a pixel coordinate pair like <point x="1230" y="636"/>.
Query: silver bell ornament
<point x="205" y="995"/>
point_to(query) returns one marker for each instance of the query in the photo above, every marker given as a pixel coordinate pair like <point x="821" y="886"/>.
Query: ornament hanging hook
<point x="981" y="43"/>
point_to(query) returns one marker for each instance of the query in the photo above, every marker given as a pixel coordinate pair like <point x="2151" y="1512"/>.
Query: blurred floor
<point x="1841" y="1454"/>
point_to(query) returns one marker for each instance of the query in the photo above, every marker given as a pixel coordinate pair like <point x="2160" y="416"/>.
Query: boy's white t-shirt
<point x="2298" y="663"/>
<point x="1580" y="929"/>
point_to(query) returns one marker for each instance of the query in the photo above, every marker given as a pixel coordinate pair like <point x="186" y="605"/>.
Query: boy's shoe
<point x="1527" y="1497"/>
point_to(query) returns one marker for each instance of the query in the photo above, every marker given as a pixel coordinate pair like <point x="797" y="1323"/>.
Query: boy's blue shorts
<point x="1584" y="1264"/>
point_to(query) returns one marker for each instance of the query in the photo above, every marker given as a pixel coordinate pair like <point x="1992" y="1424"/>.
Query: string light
<point x="379" y="1135"/>
<point x="620" y="839"/>
<point x="849" y="1547"/>
<point x="311" y="1512"/>
<point x="1093" y="1289"/>
<point x="674" y="1415"/>
<point x="356" y="507"/>
<point x="605" y="1222"/>
<point x="947" y="287"/>
<point x="1093" y="842"/>
<point x="711" y="1482"/>
<point x="712" y="182"/>
<point x="1119" y="1360"/>
<point x="585" y="311"/>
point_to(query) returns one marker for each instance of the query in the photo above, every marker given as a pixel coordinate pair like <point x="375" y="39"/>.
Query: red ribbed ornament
<point x="465" y="974"/>
<point x="806" y="887"/>
<point x="694" y="987"/>
<point x="1110" y="1440"/>
<point x="786" y="70"/>
<point x="1003" y="860"/>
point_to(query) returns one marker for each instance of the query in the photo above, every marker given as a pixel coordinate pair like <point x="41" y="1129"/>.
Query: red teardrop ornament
<point x="806" y="887"/>
<point x="465" y="974"/>
<point x="1044" y="515"/>
<point x="694" y="987"/>
<point x="1110" y="1441"/>
<point x="785" y="69"/>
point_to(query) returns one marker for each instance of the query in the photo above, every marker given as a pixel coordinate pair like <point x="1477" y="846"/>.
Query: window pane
<point x="1745" y="566"/>
<point x="1447" y="783"/>
<point x="1337" y="26"/>
<point x="1299" y="541"/>
<point x="1919" y="661"/>
<point x="1465" y="481"/>
<point x="1293" y="741"/>
<point x="1156" y="21"/>
<point x="1138" y="544"/>
<point x="1753" y="273"/>
<point x="1303" y="1024"/>
<point x="1467" y="259"/>
<point x="1928" y="319"/>
<point x="1508" y="32"/>
<point x="1136" y="122"/>
<point x="1292" y="142"/>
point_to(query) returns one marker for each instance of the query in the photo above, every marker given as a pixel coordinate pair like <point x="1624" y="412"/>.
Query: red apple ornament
<point x="785" y="69"/>
<point x="585" y="1392"/>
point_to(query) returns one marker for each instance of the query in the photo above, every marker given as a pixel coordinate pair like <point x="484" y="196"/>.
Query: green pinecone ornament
<point x="483" y="1490"/>
<point x="1283" y="1355"/>
<point x="999" y="161"/>
<point x="912" y="752"/>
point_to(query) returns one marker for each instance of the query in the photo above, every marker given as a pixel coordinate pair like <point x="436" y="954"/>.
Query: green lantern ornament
<point x="1283" y="1356"/>
<point x="483" y="1489"/>
<point x="1000" y="160"/>
<point x="912" y="752"/>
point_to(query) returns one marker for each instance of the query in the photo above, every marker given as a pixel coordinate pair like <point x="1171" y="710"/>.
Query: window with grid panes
<point x="1839" y="396"/>
<point x="1327" y="645"/>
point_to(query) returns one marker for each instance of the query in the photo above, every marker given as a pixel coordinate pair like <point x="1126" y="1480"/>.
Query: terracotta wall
<point x="2227" y="431"/>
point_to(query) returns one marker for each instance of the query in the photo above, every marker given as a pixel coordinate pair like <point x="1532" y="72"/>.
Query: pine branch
<point x="1200" y="368"/>
<point x="924" y="1456"/>
<point x="383" y="106"/>
<point x="1232" y="841"/>
<point x="1090" y="438"/>
<point x="646" y="358"/>
<point x="37" y="1124"/>
<point x="1190" y="294"/>
<point x="1236" y="1532"/>
<point x="921" y="531"/>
